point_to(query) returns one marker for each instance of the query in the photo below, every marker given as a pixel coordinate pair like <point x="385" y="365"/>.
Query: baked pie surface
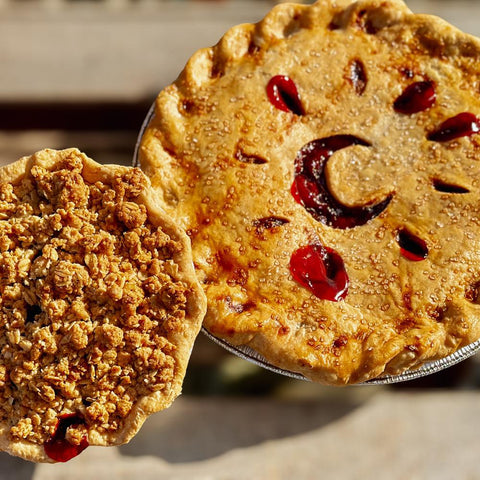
<point x="325" y="165"/>
<point x="99" y="305"/>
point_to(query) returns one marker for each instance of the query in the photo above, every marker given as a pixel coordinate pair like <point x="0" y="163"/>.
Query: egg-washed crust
<point x="222" y="157"/>
<point x="99" y="303"/>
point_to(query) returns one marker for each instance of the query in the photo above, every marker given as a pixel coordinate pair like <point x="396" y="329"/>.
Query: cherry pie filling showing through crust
<point x="318" y="267"/>
<point x="58" y="447"/>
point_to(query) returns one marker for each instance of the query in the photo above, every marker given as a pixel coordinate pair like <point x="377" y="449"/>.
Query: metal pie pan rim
<point x="247" y="353"/>
<point x="146" y="121"/>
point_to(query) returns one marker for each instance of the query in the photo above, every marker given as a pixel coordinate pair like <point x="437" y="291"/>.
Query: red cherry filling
<point x="445" y="187"/>
<point x="412" y="247"/>
<point x="357" y="76"/>
<point x="310" y="187"/>
<point x="462" y="125"/>
<point x="245" y="158"/>
<point x="58" y="447"/>
<point x="321" y="270"/>
<point x="417" y="97"/>
<point x="283" y="94"/>
<point x="268" y="223"/>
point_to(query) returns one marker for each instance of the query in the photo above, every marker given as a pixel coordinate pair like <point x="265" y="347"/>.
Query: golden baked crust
<point x="99" y="305"/>
<point x="228" y="152"/>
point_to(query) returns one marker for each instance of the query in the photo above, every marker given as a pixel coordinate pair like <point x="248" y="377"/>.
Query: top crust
<point x="99" y="302"/>
<point x="222" y="158"/>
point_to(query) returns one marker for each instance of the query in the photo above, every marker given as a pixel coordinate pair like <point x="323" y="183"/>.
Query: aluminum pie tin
<point x="247" y="353"/>
<point x="429" y="368"/>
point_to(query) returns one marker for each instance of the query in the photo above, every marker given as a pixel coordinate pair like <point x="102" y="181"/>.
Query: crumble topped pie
<point x="99" y="305"/>
<point x="325" y="165"/>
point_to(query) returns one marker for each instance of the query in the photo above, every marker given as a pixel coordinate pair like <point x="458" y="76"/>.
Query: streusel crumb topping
<point x="88" y="302"/>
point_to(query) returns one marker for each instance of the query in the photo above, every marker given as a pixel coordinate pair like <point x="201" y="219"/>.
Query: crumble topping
<point x="88" y="301"/>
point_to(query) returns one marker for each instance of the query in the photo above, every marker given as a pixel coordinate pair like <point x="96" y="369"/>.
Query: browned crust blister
<point x="99" y="302"/>
<point x="222" y="159"/>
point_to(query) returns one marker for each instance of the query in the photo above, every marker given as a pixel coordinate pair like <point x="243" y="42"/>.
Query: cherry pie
<point x="325" y="164"/>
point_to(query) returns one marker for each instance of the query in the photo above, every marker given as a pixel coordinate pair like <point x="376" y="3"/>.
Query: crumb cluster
<point x="88" y="301"/>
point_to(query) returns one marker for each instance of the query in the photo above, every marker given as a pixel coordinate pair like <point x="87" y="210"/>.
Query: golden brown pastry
<point x="325" y="163"/>
<point x="99" y="305"/>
